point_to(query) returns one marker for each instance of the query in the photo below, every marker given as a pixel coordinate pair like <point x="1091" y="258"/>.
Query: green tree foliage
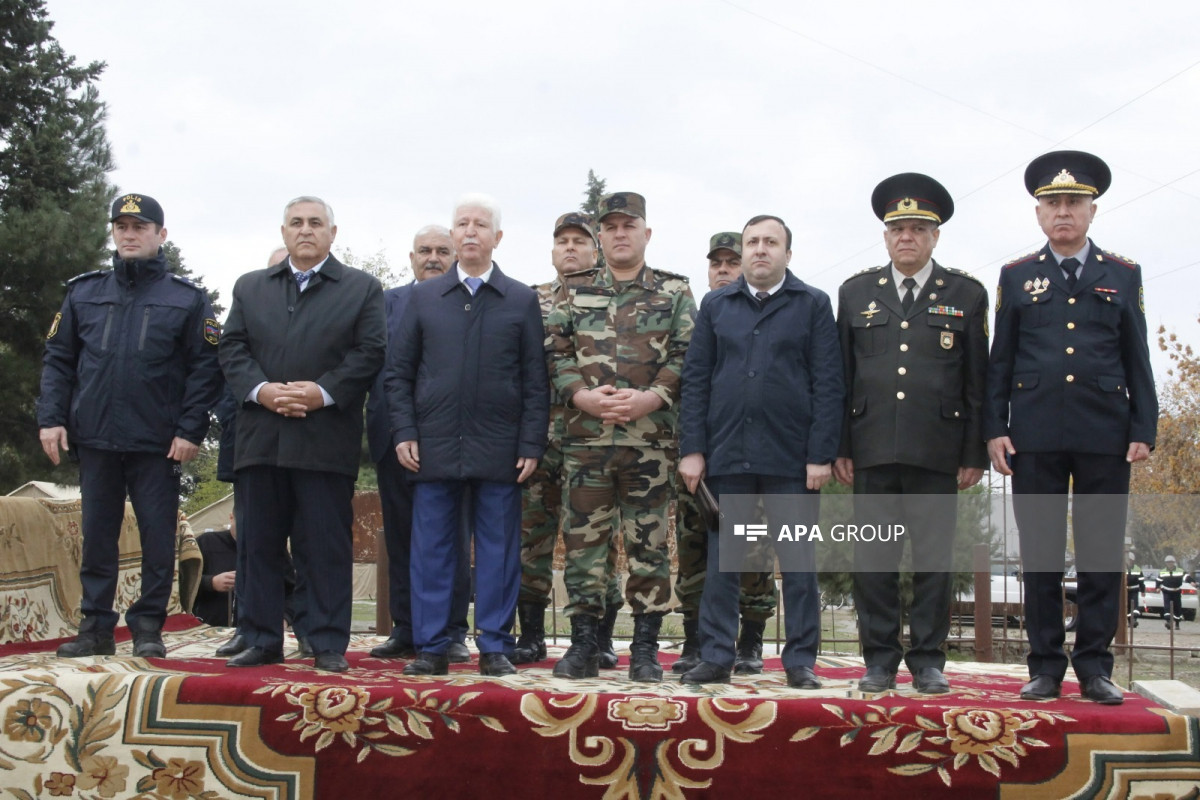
<point x="377" y="265"/>
<point x="596" y="188"/>
<point x="54" y="192"/>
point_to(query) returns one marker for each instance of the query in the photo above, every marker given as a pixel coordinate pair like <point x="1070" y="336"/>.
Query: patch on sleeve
<point x="212" y="331"/>
<point x="998" y="288"/>
<point x="1141" y="302"/>
<point x="54" y="326"/>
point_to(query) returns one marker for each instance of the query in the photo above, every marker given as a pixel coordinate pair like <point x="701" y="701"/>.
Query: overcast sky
<point x="715" y="111"/>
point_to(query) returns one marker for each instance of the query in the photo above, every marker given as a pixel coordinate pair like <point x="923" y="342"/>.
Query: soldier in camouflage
<point x="574" y="252"/>
<point x="757" y="600"/>
<point x="616" y="347"/>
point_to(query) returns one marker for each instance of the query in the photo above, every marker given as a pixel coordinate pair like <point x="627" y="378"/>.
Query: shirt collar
<point x="312" y="271"/>
<point x="922" y="277"/>
<point x="462" y="276"/>
<point x="1081" y="256"/>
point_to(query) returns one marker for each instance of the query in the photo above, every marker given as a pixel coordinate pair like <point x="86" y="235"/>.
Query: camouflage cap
<point x="629" y="203"/>
<point x="138" y="206"/>
<point x="575" y="219"/>
<point x="726" y="240"/>
<point x="1067" y="172"/>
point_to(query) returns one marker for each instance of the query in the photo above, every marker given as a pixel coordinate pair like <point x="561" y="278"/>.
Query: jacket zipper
<point x="107" y="328"/>
<point x="145" y="325"/>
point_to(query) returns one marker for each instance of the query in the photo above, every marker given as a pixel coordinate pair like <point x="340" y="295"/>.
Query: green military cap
<point x="629" y="203"/>
<point x="726" y="240"/>
<point x="575" y="219"/>
<point x="1067" y="172"/>
<point x="911" y="195"/>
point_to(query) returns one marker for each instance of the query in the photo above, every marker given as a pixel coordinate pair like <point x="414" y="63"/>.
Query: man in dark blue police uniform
<point x="914" y="346"/>
<point x="1070" y="405"/>
<point x="128" y="378"/>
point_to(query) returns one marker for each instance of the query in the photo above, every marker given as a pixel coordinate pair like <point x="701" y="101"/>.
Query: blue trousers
<point x="152" y="483"/>
<point x="436" y="553"/>
<point x="801" y="598"/>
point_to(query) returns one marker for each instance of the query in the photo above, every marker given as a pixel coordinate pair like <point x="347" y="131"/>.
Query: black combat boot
<point x="749" y="648"/>
<point x="91" y="641"/>
<point x="531" y="644"/>
<point x="643" y="653"/>
<point x="604" y="633"/>
<point x="689" y="656"/>
<point x="581" y="660"/>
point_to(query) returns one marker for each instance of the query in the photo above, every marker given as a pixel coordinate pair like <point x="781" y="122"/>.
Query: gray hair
<point x="478" y="200"/>
<point x="308" y="199"/>
<point x="428" y="229"/>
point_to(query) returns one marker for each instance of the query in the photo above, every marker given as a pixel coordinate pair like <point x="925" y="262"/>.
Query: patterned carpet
<point x="185" y="727"/>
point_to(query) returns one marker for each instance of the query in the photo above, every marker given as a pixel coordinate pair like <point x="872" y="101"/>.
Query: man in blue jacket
<point x="432" y="255"/>
<point x="761" y="415"/>
<point x="128" y="378"/>
<point x="469" y="400"/>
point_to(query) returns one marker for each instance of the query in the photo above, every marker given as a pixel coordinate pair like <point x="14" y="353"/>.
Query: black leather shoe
<point x="877" y="679"/>
<point x="148" y="644"/>
<point x="234" y="646"/>
<point x="303" y="647"/>
<point x="88" y="643"/>
<point x="1042" y="687"/>
<point x="802" y="678"/>
<point x="255" y="657"/>
<point x="930" y="680"/>
<point x="429" y="664"/>
<point x="394" y="648"/>
<point x="457" y="653"/>
<point x="331" y="662"/>
<point x="706" y="672"/>
<point x="1100" y="689"/>
<point x="495" y="665"/>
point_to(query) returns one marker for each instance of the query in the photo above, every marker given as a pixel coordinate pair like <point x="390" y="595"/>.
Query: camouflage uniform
<point x="631" y="334"/>
<point x="541" y="503"/>
<point x="757" y="599"/>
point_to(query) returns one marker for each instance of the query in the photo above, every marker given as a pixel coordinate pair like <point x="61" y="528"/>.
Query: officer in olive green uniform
<point x="616" y="348"/>
<point x="914" y="348"/>
<point x="574" y="252"/>
<point x="757" y="600"/>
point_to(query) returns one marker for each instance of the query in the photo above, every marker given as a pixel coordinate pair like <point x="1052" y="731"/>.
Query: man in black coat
<point x="1071" y="404"/>
<point x="761" y="413"/>
<point x="307" y="338"/>
<point x="469" y="400"/>
<point x="914" y="346"/>
<point x="432" y="255"/>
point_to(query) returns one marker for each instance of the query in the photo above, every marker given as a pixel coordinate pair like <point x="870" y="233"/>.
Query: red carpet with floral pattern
<point x="185" y="727"/>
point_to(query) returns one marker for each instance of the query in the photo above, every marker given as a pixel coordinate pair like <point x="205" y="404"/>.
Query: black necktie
<point x="763" y="297"/>
<point x="907" y="301"/>
<point x="1071" y="267"/>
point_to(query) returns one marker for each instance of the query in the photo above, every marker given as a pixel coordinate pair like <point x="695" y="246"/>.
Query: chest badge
<point x="946" y="339"/>
<point x="871" y="311"/>
<point x="1038" y="286"/>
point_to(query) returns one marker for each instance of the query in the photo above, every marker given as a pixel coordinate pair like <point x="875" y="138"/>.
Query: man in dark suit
<point x="307" y="338"/>
<point x="914" y="348"/>
<point x="469" y="400"/>
<point x="761" y="414"/>
<point x="432" y="255"/>
<point x="1071" y="404"/>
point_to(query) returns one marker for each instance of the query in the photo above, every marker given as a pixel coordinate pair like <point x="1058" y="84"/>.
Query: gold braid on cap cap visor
<point x="911" y="213"/>
<point x="1066" y="188"/>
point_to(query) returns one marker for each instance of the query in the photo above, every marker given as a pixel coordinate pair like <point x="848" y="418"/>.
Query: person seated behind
<point x="215" y="598"/>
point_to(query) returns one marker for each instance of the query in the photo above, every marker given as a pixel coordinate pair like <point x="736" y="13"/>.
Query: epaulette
<point x="1021" y="259"/>
<point x="964" y="274"/>
<point x="93" y="274"/>
<point x="581" y="277"/>
<point x="668" y="274"/>
<point x="867" y="271"/>
<point x="1117" y="257"/>
<point x="186" y="281"/>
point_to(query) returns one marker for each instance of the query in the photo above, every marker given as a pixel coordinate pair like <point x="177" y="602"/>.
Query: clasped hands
<point x="612" y="405"/>
<point x="291" y="399"/>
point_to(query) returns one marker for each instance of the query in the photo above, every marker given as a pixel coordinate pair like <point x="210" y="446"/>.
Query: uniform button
<point x="1020" y="385"/>
<point x="467" y="307"/>
<point x="1035" y="299"/>
<point x="756" y="331"/>
<point x="902" y="371"/>
<point x="1070" y="351"/>
<point x="904" y="325"/>
<point x="1070" y="326"/>
<point x="1109" y="299"/>
<point x="750" y="373"/>
<point x="899" y="395"/>
<point x="1071" y="301"/>
<point x="745" y="465"/>
<point x="749" y="420"/>
<point x="291" y="309"/>
<point x="903" y="348"/>
<point x="1070" y="379"/>
<point x="956" y="413"/>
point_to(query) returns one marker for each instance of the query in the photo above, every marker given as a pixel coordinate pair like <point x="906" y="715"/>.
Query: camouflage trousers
<point x="541" y="515"/>
<point x="611" y="490"/>
<point x="757" y="598"/>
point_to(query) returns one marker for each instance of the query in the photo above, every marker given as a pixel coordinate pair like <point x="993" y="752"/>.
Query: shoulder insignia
<point x="54" y="326"/>
<point x="1117" y="257"/>
<point x="96" y="273"/>
<point x="867" y="271"/>
<point x="666" y="274"/>
<point x="582" y="277"/>
<point x="186" y="281"/>
<point x="963" y="274"/>
<point x="212" y="331"/>
<point x="1022" y="259"/>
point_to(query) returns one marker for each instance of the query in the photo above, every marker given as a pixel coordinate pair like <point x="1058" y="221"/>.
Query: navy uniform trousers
<point x="152" y="482"/>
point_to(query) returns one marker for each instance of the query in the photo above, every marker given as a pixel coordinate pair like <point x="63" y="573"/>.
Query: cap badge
<point x="131" y="204"/>
<point x="907" y="205"/>
<point x="617" y="201"/>
<point x="1063" y="177"/>
<point x="725" y="241"/>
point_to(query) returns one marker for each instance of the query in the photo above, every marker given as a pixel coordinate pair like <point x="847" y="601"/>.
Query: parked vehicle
<point x="1006" y="593"/>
